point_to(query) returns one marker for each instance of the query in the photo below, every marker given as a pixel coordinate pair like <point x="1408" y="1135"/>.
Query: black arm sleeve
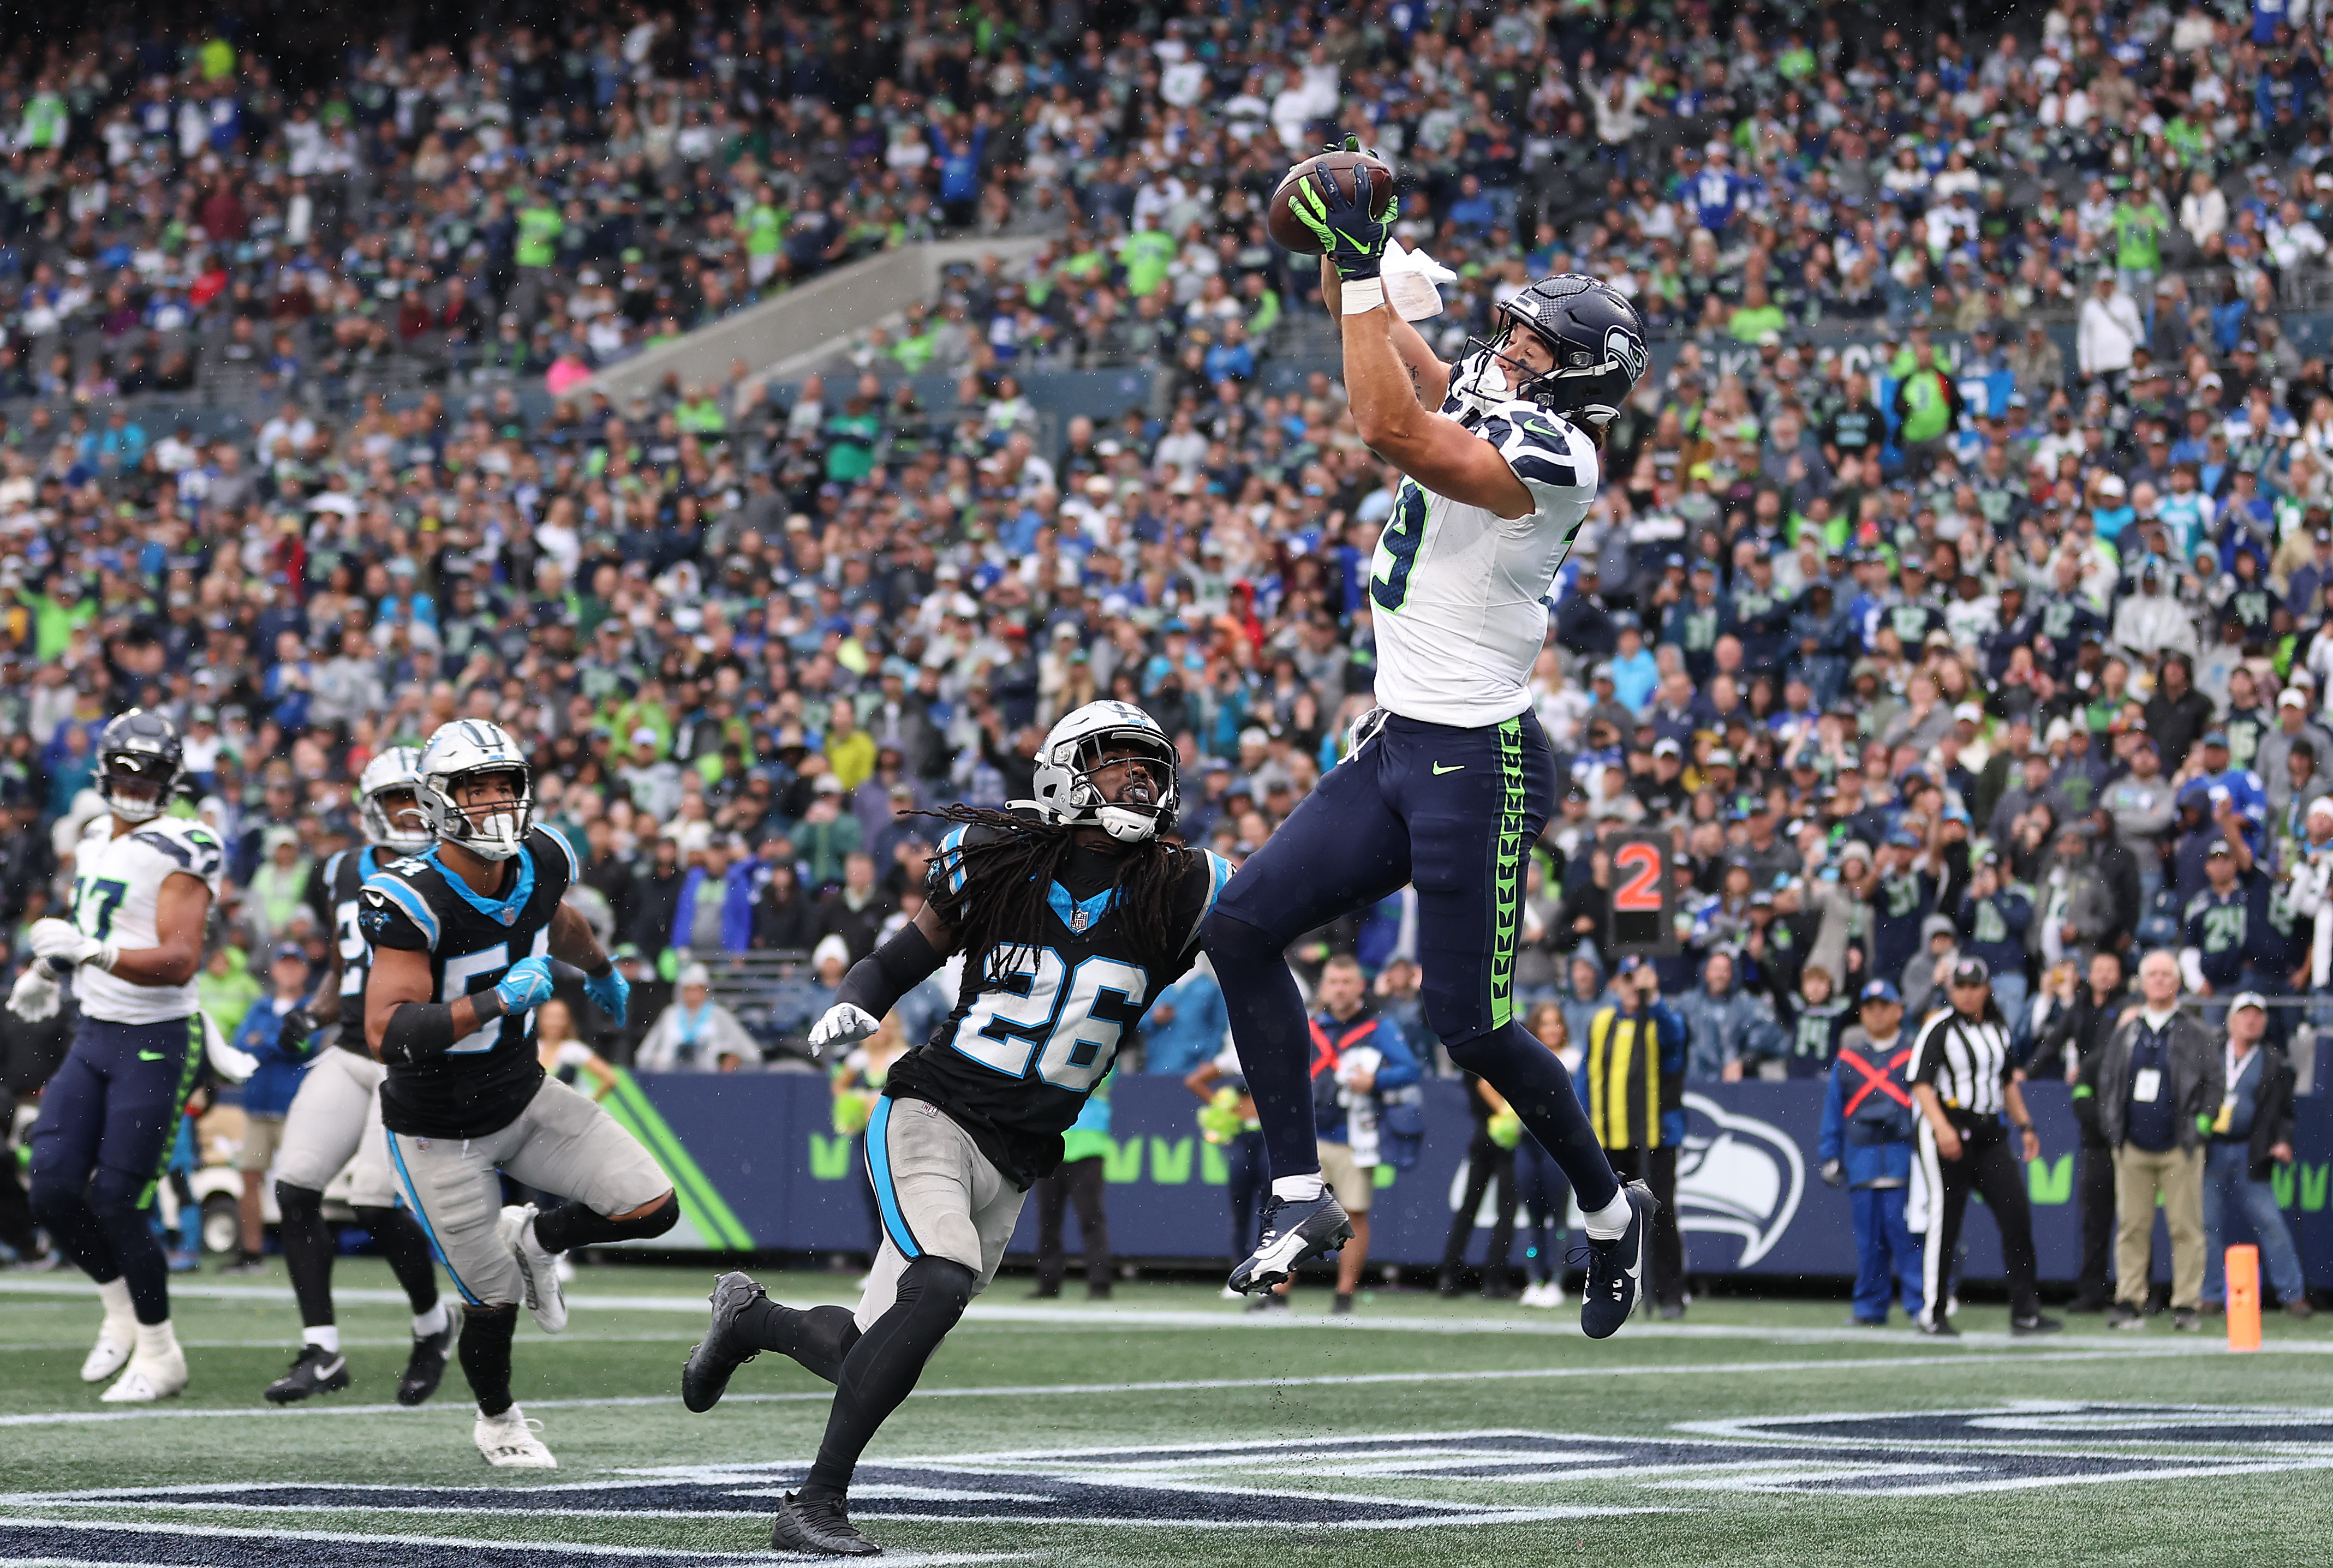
<point x="417" y="1032"/>
<point x="879" y="980"/>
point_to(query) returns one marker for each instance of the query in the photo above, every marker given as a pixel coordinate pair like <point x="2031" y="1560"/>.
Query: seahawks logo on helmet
<point x="1592" y="334"/>
<point x="1627" y="350"/>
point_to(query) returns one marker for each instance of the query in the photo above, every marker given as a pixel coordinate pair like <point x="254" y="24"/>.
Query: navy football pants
<point x="108" y="1121"/>
<point x="1455" y="813"/>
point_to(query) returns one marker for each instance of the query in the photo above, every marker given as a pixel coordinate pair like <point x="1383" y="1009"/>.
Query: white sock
<point x="1297" y="1189"/>
<point x="1608" y="1222"/>
<point x="119" y="1314"/>
<point x="155" y="1339"/>
<point x="434" y="1321"/>
<point x="327" y="1338"/>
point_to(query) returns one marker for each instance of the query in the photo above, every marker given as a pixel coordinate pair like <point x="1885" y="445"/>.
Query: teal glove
<point x="609" y="992"/>
<point x="526" y="984"/>
<point x="1354" y="229"/>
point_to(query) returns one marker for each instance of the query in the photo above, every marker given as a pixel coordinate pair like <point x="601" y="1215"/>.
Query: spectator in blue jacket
<point x="1358" y="1057"/>
<point x="1866" y="1146"/>
<point x="1185" y="1026"/>
<point x="1636" y="675"/>
<point x="267" y="1096"/>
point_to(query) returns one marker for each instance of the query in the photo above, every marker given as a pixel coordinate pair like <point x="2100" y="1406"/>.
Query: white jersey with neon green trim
<point x="117" y="897"/>
<point x="1459" y="594"/>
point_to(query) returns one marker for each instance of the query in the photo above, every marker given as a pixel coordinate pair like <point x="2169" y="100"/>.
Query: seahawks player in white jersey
<point x="1451" y="778"/>
<point x="462" y="938"/>
<point x="143" y="885"/>
<point x="334" y="1122"/>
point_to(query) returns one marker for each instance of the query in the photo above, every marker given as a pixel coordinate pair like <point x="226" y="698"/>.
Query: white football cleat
<point x="535" y="1269"/>
<point x="149" y="1379"/>
<point x="509" y="1443"/>
<point x="110" y="1354"/>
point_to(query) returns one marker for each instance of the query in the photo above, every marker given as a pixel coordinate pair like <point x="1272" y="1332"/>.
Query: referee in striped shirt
<point x="1965" y="1080"/>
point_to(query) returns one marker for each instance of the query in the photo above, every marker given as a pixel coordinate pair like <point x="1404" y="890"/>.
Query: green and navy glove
<point x="292" y="1034"/>
<point x="1353" y="229"/>
<point x="609" y="992"/>
<point x="525" y="984"/>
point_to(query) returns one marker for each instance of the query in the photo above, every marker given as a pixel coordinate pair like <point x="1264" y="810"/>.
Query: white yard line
<point x="1946" y="1361"/>
<point x="1228" y="1316"/>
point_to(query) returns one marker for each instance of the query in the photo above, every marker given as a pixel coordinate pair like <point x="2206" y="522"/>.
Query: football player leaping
<point x="462" y="938"/>
<point x="142" y="888"/>
<point x="1451" y="778"/>
<point x="1072" y="914"/>
<point x="335" y="1119"/>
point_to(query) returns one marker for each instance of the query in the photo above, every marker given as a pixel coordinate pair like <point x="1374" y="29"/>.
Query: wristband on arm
<point x="879" y="980"/>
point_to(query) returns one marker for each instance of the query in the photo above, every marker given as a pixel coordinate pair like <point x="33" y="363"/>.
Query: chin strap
<point x="1126" y="825"/>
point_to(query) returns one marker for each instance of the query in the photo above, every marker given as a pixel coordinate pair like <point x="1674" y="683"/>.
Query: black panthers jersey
<point x="486" y="1078"/>
<point x="1014" y="1062"/>
<point x="344" y="879"/>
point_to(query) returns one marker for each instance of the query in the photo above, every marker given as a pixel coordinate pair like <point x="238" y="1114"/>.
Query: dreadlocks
<point x="1013" y="872"/>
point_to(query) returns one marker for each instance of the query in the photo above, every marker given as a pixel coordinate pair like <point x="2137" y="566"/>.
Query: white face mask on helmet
<point x="399" y="768"/>
<point x="457" y="754"/>
<point x="1084" y="742"/>
<point x="1481" y="381"/>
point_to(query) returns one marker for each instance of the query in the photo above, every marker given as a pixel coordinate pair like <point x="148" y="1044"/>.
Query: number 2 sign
<point x="1643" y="896"/>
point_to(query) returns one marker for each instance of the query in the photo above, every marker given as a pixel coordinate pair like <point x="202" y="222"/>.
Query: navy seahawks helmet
<point x="140" y="748"/>
<point x="1594" y="334"/>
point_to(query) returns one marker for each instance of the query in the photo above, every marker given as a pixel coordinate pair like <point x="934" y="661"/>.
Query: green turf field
<point x="1166" y="1428"/>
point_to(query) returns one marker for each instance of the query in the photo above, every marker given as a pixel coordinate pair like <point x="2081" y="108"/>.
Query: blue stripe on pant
<point x="878" y="1171"/>
<point x="413" y="1201"/>
<point x="1888" y="1256"/>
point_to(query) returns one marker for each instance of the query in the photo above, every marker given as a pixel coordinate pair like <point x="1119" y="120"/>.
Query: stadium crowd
<point x="1965" y="646"/>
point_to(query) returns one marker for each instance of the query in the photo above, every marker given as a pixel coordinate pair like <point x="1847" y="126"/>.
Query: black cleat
<point x="1616" y="1268"/>
<point x="427" y="1364"/>
<point x="314" y="1371"/>
<point x="818" y="1526"/>
<point x="1292" y="1232"/>
<point x="2037" y="1324"/>
<point x="1937" y="1328"/>
<point x="714" y="1358"/>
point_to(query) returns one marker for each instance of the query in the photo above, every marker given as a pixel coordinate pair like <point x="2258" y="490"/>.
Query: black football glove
<point x="293" y="1032"/>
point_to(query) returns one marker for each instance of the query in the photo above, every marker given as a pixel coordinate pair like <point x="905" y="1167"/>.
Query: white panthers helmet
<point x="464" y="750"/>
<point x="1075" y="748"/>
<point x="399" y="768"/>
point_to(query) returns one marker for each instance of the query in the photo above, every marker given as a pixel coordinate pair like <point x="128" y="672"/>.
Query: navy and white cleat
<point x="1294" y="1230"/>
<point x="1616" y="1268"/>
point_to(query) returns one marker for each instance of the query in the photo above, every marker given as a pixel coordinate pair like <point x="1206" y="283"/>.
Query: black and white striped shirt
<point x="1965" y="1059"/>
